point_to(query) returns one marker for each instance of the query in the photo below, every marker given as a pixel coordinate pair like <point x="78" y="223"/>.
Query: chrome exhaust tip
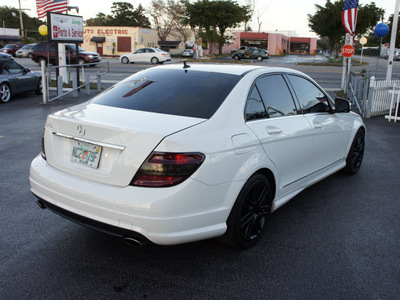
<point x="133" y="242"/>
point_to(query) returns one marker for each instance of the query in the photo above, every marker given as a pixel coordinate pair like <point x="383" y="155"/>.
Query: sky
<point x="281" y="15"/>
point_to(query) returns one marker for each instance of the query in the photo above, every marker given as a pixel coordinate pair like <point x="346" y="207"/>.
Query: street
<point x="338" y="239"/>
<point x="329" y="77"/>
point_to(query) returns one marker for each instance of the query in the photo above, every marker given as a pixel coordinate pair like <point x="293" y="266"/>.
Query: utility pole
<point x="393" y="41"/>
<point x="20" y="19"/>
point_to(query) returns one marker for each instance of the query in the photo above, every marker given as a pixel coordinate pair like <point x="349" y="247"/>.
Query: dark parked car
<point x="25" y="51"/>
<point x="47" y="52"/>
<point x="12" y="48"/>
<point x="16" y="79"/>
<point x="252" y="53"/>
<point x="240" y="49"/>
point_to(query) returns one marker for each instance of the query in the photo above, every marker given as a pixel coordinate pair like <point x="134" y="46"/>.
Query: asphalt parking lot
<point x="339" y="239"/>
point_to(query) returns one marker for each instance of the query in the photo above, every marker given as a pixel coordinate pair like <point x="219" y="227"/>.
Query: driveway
<point x="337" y="239"/>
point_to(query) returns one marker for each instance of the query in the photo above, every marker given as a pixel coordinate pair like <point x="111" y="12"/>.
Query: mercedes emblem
<point x="80" y="130"/>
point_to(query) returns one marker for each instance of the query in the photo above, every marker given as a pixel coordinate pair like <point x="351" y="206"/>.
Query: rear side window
<point x="176" y="92"/>
<point x="311" y="98"/>
<point x="254" y="106"/>
<point x="278" y="100"/>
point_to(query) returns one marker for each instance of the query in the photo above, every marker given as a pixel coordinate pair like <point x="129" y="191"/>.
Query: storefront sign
<point x="104" y="31"/>
<point x="65" y="28"/>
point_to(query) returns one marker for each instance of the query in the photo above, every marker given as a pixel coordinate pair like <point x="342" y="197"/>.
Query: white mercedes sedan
<point x="146" y="55"/>
<point x="181" y="153"/>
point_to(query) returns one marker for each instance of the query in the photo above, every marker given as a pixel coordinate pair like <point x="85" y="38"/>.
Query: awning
<point x="98" y="39"/>
<point x="9" y="38"/>
<point x="169" y="43"/>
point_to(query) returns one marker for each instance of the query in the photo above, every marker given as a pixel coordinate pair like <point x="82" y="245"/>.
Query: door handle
<point x="317" y="125"/>
<point x="273" y="130"/>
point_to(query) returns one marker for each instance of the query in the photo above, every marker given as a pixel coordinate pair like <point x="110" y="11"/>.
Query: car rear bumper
<point x="164" y="216"/>
<point x="103" y="227"/>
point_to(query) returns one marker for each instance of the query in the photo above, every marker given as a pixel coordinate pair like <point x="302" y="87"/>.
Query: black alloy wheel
<point x="356" y="153"/>
<point x="248" y="218"/>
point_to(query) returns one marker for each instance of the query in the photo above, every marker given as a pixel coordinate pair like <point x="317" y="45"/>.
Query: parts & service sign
<point x="65" y="28"/>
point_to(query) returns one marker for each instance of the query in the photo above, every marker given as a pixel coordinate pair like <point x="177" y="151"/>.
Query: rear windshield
<point x="175" y="92"/>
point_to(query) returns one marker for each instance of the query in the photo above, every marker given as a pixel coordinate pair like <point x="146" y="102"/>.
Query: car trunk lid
<point x="106" y="144"/>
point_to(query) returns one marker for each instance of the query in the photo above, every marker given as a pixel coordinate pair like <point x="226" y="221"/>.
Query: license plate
<point x="86" y="154"/>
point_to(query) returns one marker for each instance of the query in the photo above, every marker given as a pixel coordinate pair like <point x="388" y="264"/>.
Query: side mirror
<point x="342" y="105"/>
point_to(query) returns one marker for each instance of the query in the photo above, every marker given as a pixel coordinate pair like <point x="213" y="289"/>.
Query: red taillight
<point x="167" y="169"/>
<point x="43" y="152"/>
<point x="165" y="55"/>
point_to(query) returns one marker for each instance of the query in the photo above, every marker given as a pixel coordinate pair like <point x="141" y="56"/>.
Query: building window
<point x="124" y="44"/>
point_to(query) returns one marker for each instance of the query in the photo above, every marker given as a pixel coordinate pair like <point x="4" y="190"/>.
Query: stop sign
<point x="347" y="50"/>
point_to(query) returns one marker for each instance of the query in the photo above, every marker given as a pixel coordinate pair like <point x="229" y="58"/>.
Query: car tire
<point x="154" y="60"/>
<point x="236" y="57"/>
<point x="30" y="55"/>
<point x="5" y="92"/>
<point x="259" y="58"/>
<point x="39" y="88"/>
<point x="248" y="218"/>
<point x="356" y="153"/>
<point x="125" y="60"/>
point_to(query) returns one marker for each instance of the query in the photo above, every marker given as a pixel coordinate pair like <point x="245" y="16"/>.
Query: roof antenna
<point x="185" y="65"/>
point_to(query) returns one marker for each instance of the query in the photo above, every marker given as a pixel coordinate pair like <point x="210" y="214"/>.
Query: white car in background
<point x="181" y="153"/>
<point x="146" y="55"/>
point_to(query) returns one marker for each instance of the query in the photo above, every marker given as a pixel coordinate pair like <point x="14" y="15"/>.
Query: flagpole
<point x="392" y="41"/>
<point x="349" y="20"/>
<point x="343" y="74"/>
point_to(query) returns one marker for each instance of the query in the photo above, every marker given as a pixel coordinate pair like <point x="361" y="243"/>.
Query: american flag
<point x="44" y="6"/>
<point x="349" y="15"/>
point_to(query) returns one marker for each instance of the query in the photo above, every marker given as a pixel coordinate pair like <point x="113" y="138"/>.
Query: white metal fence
<point x="379" y="97"/>
<point x="369" y="96"/>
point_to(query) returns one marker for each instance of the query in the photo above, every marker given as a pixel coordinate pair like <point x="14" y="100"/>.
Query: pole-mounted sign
<point x="347" y="50"/>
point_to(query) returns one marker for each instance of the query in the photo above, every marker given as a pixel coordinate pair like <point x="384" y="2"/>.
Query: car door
<point x="138" y="56"/>
<point x="150" y="54"/>
<point x="247" y="53"/>
<point x="285" y="134"/>
<point x="331" y="132"/>
<point x="20" y="80"/>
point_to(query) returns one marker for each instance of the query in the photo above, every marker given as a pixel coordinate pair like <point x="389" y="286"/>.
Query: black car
<point x="252" y="53"/>
<point x="16" y="79"/>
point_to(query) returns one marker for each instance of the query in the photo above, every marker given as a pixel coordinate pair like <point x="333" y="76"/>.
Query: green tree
<point x="386" y="39"/>
<point x="9" y="17"/>
<point x="122" y="14"/>
<point x="100" y="20"/>
<point x="327" y="21"/>
<point x="215" y="18"/>
<point x="229" y="15"/>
